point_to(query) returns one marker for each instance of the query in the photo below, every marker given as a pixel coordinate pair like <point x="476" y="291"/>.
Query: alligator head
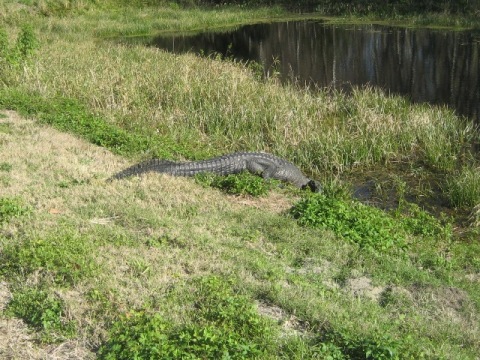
<point x="313" y="185"/>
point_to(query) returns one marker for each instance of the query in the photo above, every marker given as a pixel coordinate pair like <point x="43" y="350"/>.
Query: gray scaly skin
<point x="267" y="165"/>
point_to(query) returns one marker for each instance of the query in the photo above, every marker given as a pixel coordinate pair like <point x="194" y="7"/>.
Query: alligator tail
<point x="162" y="166"/>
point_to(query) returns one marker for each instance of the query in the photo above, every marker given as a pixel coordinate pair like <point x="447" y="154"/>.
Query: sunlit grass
<point x="98" y="254"/>
<point x="220" y="106"/>
<point x="210" y="106"/>
<point x="463" y="187"/>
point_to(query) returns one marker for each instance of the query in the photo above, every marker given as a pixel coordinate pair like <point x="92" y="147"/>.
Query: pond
<point x="434" y="66"/>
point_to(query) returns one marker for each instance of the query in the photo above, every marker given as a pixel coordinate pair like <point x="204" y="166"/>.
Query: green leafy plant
<point x="26" y="44"/>
<point x="64" y="258"/>
<point x="11" y="208"/>
<point x="225" y="326"/>
<point x="357" y="347"/>
<point x="342" y="345"/>
<point x="244" y="183"/>
<point x="358" y="223"/>
<point x="42" y="311"/>
<point x="419" y="222"/>
<point x="12" y="56"/>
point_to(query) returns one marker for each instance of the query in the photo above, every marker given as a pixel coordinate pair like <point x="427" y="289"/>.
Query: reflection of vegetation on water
<point x="114" y="269"/>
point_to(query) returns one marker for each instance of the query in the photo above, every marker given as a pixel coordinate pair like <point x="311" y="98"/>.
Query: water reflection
<point x="440" y="67"/>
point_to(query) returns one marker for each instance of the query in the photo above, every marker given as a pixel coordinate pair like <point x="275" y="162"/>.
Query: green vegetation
<point x="69" y="115"/>
<point x="369" y="227"/>
<point x="12" y="56"/>
<point x="11" y="208"/>
<point x="63" y="258"/>
<point x="463" y="187"/>
<point x="366" y="226"/>
<point x="241" y="184"/>
<point x="5" y="166"/>
<point x="225" y="326"/>
<point x="156" y="266"/>
<point x="42" y="311"/>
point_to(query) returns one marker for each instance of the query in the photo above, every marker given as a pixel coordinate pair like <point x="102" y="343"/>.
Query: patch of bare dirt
<point x="445" y="302"/>
<point x="362" y="287"/>
<point x="324" y="270"/>
<point x="291" y="325"/>
<point x="473" y="277"/>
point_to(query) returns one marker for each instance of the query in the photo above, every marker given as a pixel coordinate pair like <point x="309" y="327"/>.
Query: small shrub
<point x="42" y="311"/>
<point x="358" y="223"/>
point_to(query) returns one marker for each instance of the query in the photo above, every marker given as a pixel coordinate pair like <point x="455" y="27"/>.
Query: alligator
<point x="266" y="165"/>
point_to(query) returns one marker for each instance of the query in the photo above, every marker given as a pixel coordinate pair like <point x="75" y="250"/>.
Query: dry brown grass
<point x="44" y="163"/>
<point x="63" y="179"/>
<point x="41" y="158"/>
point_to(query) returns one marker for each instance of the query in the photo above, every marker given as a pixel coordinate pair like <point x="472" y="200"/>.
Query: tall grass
<point x="463" y="187"/>
<point x="212" y="106"/>
<point x="218" y="106"/>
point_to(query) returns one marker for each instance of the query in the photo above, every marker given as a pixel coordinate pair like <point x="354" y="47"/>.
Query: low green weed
<point x="43" y="311"/>
<point x="418" y="222"/>
<point x="358" y="223"/>
<point x="341" y="345"/>
<point x="368" y="226"/>
<point x="356" y="347"/>
<point x="5" y="166"/>
<point x="138" y="336"/>
<point x="238" y="184"/>
<point x="224" y="326"/>
<point x="11" y="208"/>
<point x="12" y="56"/>
<point x="65" y="258"/>
<point x="5" y="128"/>
<point x="301" y="348"/>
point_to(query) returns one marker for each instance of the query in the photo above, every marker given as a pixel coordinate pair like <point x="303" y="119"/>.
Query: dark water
<point x="435" y="66"/>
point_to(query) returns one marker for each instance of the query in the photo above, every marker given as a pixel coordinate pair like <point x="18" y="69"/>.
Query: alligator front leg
<point x="262" y="167"/>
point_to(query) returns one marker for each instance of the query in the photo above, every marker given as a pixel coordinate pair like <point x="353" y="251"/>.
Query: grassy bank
<point x="162" y="267"/>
